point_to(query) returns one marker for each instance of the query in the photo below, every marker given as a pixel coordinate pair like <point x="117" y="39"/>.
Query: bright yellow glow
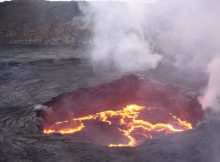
<point x="128" y="124"/>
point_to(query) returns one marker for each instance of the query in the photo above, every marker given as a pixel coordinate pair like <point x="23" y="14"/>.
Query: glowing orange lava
<point x="128" y="123"/>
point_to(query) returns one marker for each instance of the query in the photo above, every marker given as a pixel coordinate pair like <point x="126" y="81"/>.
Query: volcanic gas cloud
<point x="125" y="112"/>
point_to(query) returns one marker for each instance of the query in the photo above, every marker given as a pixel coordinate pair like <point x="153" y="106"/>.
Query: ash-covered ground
<point x="32" y="75"/>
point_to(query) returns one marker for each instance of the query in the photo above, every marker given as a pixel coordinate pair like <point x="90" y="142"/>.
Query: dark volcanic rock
<point x="41" y="23"/>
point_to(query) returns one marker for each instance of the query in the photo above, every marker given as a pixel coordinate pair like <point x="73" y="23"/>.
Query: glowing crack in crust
<point x="128" y="123"/>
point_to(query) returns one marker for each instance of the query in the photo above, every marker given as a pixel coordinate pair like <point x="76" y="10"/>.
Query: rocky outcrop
<point x="41" y="23"/>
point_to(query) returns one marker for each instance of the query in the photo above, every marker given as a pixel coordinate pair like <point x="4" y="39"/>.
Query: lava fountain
<point x="123" y="113"/>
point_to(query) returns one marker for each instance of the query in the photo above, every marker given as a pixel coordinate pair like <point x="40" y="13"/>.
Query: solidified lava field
<point x="27" y="80"/>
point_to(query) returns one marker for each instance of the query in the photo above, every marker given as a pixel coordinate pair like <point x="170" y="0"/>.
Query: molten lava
<point x="127" y="121"/>
<point x="124" y="112"/>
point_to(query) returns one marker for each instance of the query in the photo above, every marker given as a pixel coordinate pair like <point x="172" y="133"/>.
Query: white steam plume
<point x="185" y="33"/>
<point x="189" y="39"/>
<point x="126" y="1"/>
<point x="211" y="97"/>
<point x="119" y="40"/>
<point x="190" y="32"/>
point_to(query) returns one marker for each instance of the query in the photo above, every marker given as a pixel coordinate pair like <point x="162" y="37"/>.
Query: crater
<point x="125" y="112"/>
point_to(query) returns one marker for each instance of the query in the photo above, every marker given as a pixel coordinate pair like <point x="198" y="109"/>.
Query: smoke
<point x="135" y="36"/>
<point x="190" y="41"/>
<point x="190" y="33"/>
<point x="211" y="96"/>
<point x="119" y="41"/>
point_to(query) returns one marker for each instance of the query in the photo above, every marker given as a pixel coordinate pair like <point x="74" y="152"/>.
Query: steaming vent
<point x="126" y="112"/>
